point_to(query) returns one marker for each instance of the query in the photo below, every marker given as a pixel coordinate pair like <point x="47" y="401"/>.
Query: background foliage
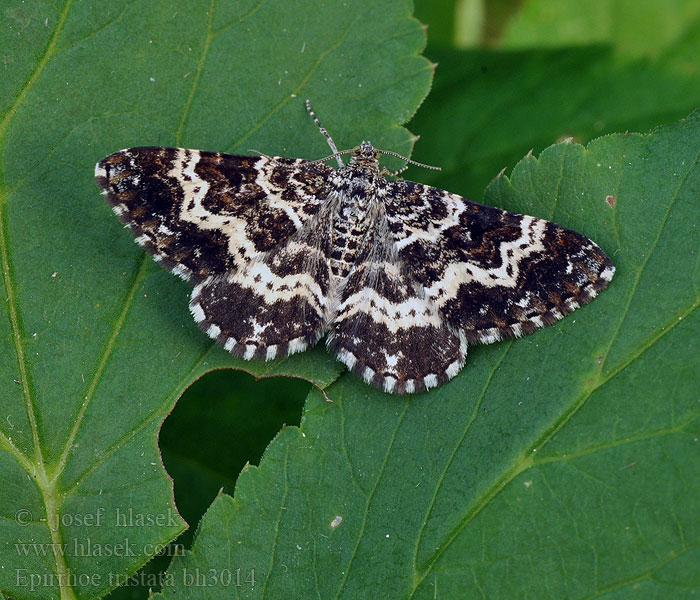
<point x="561" y="465"/>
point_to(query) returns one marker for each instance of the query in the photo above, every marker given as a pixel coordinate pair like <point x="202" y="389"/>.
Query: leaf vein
<point x="277" y="522"/>
<point x="304" y="80"/>
<point x="365" y="512"/>
<point x="451" y="458"/>
<point x="640" y="271"/>
<point x="41" y="65"/>
<point x="197" y="76"/>
<point x="525" y="463"/>
<point x="99" y="461"/>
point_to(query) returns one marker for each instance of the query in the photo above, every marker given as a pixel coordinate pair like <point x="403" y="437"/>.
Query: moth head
<point x="365" y="154"/>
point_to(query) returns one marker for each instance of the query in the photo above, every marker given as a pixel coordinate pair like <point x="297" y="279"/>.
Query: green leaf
<point x="560" y="465"/>
<point x="647" y="28"/>
<point x="642" y="28"/>
<point x="488" y="109"/>
<point x="97" y="339"/>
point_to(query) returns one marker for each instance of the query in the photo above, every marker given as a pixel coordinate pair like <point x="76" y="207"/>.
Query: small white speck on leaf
<point x="336" y="522"/>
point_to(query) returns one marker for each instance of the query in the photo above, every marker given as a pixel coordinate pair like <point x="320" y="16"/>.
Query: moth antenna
<point x="326" y="135"/>
<point x="254" y="151"/>
<point x="336" y="155"/>
<point x="409" y="161"/>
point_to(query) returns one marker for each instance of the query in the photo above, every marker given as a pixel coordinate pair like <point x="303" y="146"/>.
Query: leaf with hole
<point x="96" y="342"/>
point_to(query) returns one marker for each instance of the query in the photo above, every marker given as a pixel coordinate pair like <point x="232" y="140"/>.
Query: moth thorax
<point x="357" y="210"/>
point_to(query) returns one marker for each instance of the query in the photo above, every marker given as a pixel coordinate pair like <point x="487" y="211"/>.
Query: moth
<point x="399" y="276"/>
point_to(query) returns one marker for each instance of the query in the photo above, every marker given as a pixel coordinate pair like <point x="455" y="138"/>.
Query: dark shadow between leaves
<point x="223" y="421"/>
